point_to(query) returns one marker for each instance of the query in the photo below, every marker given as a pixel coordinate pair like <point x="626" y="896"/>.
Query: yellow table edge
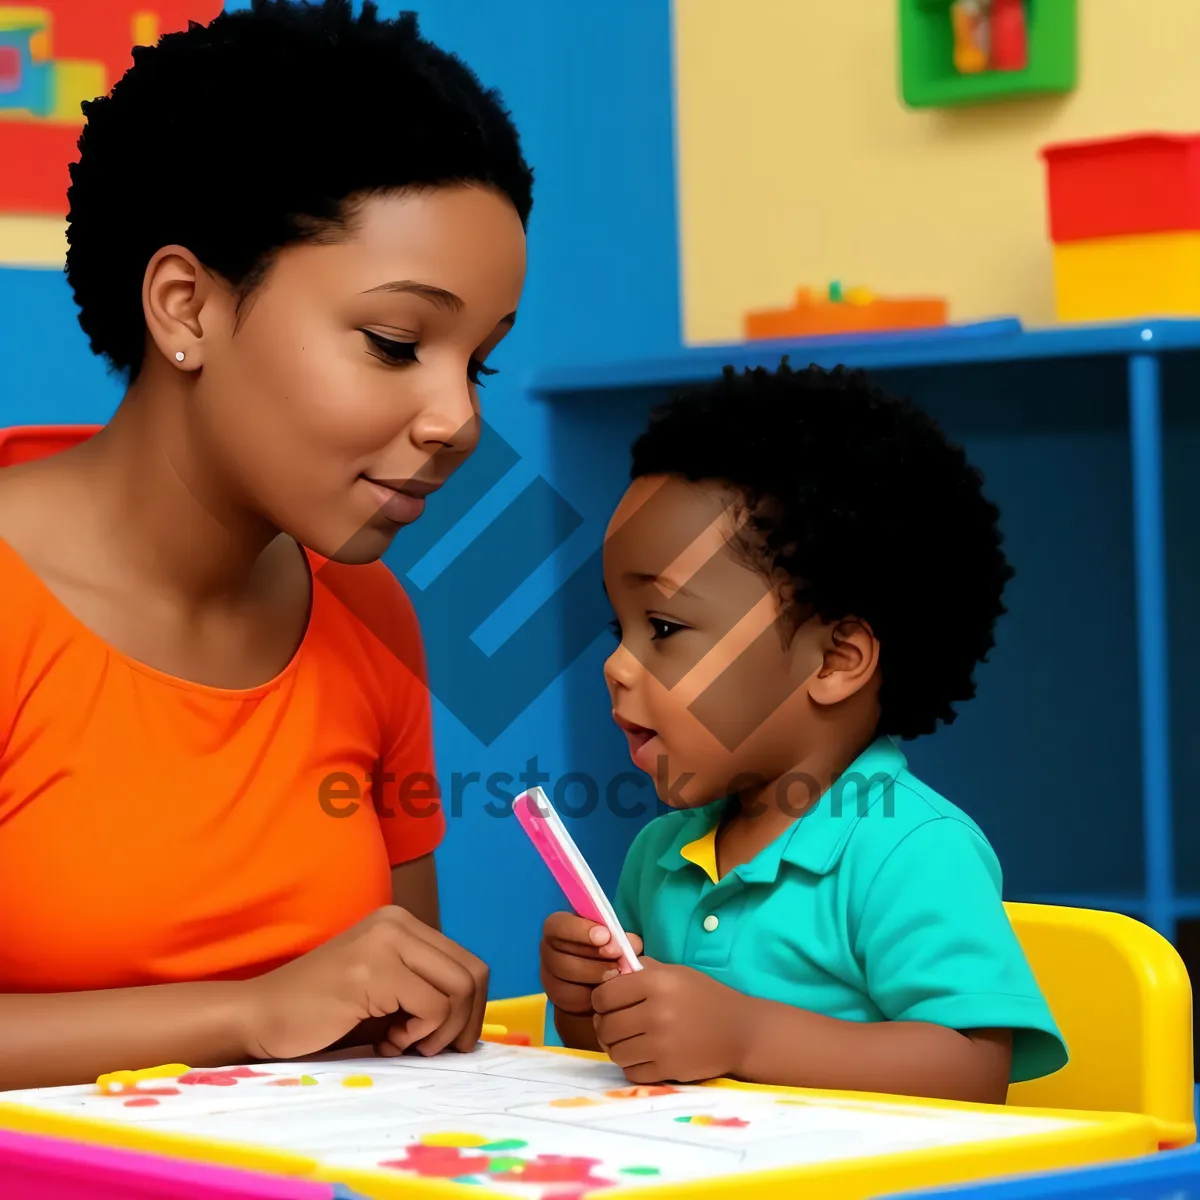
<point x="1100" y="1137"/>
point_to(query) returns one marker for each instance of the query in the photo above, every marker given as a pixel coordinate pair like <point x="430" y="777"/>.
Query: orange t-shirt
<point x="154" y="830"/>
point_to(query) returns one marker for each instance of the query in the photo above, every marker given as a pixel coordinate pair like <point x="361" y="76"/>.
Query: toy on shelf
<point x="1008" y="36"/>
<point x="1124" y="221"/>
<point x="989" y="35"/>
<point x="956" y="52"/>
<point x="969" y="19"/>
<point x="853" y="310"/>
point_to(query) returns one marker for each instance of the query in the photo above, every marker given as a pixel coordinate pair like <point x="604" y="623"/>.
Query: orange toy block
<point x="813" y="317"/>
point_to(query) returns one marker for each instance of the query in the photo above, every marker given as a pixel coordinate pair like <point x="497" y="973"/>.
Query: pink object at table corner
<point x="550" y="838"/>
<point x="37" y="1167"/>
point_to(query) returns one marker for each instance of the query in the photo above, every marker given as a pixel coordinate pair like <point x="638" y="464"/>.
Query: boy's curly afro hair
<point x="859" y="498"/>
<point x="245" y="135"/>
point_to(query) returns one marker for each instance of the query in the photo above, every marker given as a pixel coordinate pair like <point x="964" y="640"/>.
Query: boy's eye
<point x="663" y="629"/>
<point x="615" y="628"/>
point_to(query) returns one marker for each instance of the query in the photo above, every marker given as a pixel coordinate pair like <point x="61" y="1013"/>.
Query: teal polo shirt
<point x="882" y="902"/>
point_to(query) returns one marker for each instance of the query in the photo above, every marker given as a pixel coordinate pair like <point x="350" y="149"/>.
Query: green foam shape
<point x="500" y="1166"/>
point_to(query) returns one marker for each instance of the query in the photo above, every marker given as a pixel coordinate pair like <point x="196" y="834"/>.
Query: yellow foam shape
<point x="358" y="1081"/>
<point x="117" y="1079"/>
<point x="457" y="1141"/>
<point x="76" y="80"/>
<point x="1121" y="278"/>
<point x="145" y="28"/>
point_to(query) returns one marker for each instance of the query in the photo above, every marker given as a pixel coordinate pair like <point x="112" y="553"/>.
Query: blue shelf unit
<point x="1083" y="728"/>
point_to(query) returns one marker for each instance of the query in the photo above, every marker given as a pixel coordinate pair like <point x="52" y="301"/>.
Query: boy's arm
<point x="789" y="1047"/>
<point x="963" y="1012"/>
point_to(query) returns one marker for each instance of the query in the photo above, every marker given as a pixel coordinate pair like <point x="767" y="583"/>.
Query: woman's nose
<point x="448" y="417"/>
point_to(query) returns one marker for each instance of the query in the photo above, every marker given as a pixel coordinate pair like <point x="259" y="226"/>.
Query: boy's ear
<point x="850" y="661"/>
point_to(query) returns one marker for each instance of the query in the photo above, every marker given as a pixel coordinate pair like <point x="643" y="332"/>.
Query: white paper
<point x="544" y="1104"/>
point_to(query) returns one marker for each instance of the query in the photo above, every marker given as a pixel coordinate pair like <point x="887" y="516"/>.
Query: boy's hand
<point x="668" y="1023"/>
<point x="390" y="973"/>
<point x="575" y="955"/>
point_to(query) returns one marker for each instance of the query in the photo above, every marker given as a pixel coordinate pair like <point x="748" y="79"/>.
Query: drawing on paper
<point x="518" y="1120"/>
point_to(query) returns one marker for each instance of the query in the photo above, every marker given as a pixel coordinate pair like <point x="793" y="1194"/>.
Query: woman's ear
<point x="175" y="289"/>
<point x="850" y="661"/>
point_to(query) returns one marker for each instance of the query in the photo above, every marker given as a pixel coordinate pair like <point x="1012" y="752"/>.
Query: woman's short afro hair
<point x="859" y="499"/>
<point x="245" y="135"/>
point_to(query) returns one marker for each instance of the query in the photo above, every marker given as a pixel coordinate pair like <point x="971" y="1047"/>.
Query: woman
<point x="298" y="235"/>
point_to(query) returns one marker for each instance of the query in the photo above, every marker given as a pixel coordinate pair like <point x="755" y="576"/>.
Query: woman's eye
<point x="406" y="352"/>
<point x="475" y="368"/>
<point x="663" y="629"/>
<point x="393" y="351"/>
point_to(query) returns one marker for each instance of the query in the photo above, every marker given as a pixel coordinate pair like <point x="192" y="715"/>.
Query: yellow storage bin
<point x="1121" y="278"/>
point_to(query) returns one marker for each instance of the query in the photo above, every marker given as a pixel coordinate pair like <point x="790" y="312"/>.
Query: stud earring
<point x="179" y="356"/>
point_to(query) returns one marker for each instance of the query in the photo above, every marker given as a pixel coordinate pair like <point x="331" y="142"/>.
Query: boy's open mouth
<point x="639" y="738"/>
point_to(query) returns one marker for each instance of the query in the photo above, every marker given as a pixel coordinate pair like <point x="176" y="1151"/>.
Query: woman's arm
<point x="415" y="888"/>
<point x="74" y="1037"/>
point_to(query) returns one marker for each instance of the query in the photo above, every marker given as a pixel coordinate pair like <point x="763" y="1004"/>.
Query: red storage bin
<point x="24" y="443"/>
<point x="1145" y="183"/>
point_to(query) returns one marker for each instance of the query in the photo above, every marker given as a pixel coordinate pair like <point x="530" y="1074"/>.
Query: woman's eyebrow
<point x="435" y="295"/>
<point x="427" y="291"/>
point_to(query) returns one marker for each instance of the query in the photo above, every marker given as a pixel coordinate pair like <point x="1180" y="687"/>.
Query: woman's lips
<point x="400" y="507"/>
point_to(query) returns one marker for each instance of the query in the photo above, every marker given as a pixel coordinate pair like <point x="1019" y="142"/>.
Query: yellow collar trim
<point x="703" y="852"/>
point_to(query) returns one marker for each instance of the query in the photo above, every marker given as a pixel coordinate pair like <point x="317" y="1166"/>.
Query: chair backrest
<point x="1123" y="1000"/>
<point x="24" y="443"/>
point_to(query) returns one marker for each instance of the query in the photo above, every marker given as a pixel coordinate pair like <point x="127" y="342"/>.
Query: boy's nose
<point x="620" y="668"/>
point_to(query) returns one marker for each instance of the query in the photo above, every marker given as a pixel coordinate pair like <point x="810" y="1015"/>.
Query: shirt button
<point x="710" y="923"/>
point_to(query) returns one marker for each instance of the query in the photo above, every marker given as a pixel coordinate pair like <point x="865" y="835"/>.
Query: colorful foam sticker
<point x="162" y="1094"/>
<point x="517" y="1120"/>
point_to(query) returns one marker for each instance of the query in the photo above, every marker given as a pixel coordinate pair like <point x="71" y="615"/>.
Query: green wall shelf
<point x="928" y="78"/>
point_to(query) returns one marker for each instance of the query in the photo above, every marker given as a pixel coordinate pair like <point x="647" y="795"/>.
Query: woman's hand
<point x="415" y="986"/>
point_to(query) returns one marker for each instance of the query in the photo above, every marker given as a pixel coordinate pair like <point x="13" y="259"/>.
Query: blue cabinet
<point x="1082" y="731"/>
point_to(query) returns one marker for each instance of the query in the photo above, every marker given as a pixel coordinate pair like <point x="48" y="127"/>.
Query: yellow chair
<point x="1120" y="994"/>
<point x="1123" y="1000"/>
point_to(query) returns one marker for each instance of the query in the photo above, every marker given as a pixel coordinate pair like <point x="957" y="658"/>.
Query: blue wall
<point x="1046" y="758"/>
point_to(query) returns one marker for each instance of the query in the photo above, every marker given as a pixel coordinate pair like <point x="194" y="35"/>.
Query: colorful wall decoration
<point x="54" y="55"/>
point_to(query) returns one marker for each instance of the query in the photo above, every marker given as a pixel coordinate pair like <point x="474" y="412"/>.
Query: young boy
<point x="803" y="571"/>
